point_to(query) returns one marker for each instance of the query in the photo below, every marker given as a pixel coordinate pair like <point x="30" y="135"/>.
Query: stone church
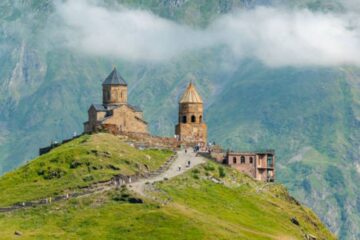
<point x="115" y="114"/>
<point x="191" y="126"/>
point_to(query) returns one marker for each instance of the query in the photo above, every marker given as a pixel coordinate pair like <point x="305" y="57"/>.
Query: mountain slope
<point x="77" y="164"/>
<point x="309" y="115"/>
<point x="204" y="203"/>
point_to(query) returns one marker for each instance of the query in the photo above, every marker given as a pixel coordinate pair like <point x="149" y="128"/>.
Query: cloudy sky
<point x="274" y="35"/>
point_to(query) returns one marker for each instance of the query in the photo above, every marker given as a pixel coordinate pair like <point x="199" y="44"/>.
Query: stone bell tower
<point x="191" y="126"/>
<point x="114" y="89"/>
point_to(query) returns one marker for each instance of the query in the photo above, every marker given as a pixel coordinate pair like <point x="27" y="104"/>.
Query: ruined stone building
<point x="259" y="165"/>
<point x="191" y="126"/>
<point x="115" y="114"/>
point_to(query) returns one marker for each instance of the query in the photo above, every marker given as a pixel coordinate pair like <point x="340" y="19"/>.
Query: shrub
<point x="196" y="171"/>
<point x="40" y="172"/>
<point x="88" y="178"/>
<point x="124" y="196"/>
<point x="112" y="167"/>
<point x="195" y="176"/>
<point x="222" y="172"/>
<point x="75" y="164"/>
<point x="52" y="173"/>
<point x="209" y="167"/>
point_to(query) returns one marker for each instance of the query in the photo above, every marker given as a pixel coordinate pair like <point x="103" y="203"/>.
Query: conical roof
<point x="191" y="95"/>
<point x="114" y="79"/>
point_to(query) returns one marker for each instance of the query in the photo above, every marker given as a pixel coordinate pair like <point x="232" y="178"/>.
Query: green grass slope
<point x="190" y="206"/>
<point x="79" y="163"/>
<point x="45" y="91"/>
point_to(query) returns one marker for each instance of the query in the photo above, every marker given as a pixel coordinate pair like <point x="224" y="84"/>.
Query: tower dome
<point x="191" y="95"/>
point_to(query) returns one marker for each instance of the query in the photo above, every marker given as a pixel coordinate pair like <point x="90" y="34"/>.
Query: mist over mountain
<point x="274" y="74"/>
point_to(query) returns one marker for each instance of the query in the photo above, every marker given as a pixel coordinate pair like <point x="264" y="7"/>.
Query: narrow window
<point x="270" y="162"/>
<point x="234" y="160"/>
<point x="193" y="119"/>
<point x="242" y="159"/>
<point x="251" y="160"/>
<point x="184" y="119"/>
<point x="200" y="119"/>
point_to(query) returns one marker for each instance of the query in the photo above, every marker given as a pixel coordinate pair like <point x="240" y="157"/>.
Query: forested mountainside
<point x="310" y="115"/>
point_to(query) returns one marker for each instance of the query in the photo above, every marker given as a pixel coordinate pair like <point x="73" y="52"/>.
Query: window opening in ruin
<point x="234" y="160"/>
<point x="242" y="159"/>
<point x="200" y="119"/>
<point x="184" y="119"/>
<point x="270" y="161"/>
<point x="193" y="119"/>
<point x="251" y="160"/>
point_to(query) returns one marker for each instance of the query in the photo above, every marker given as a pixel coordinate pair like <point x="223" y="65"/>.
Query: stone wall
<point x="192" y="132"/>
<point x="191" y="127"/>
<point x="189" y="110"/>
<point x="126" y="120"/>
<point x="113" y="94"/>
<point x="253" y="163"/>
<point x="245" y="163"/>
<point x="94" y="118"/>
<point x="263" y="171"/>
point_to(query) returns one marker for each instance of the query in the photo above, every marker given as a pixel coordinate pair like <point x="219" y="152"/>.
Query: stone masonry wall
<point x="126" y="120"/>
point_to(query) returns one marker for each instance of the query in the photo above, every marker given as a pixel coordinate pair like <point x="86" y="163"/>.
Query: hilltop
<point x="77" y="164"/>
<point x="209" y="201"/>
<point x="310" y="115"/>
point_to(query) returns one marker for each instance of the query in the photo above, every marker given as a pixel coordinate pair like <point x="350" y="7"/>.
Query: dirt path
<point x="181" y="161"/>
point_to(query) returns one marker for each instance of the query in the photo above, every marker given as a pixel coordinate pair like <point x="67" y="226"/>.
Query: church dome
<point x="191" y="95"/>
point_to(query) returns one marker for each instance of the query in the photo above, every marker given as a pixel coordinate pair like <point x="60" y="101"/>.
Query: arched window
<point x="242" y="159"/>
<point x="234" y="160"/>
<point x="184" y="119"/>
<point x="193" y="119"/>
<point x="200" y="119"/>
<point x="251" y="160"/>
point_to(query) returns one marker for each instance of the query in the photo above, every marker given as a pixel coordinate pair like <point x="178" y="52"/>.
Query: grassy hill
<point x="79" y="163"/>
<point x="309" y="115"/>
<point x="208" y="202"/>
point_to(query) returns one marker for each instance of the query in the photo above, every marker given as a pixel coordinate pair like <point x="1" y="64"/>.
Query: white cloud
<point x="352" y="5"/>
<point x="277" y="37"/>
<point x="129" y="34"/>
